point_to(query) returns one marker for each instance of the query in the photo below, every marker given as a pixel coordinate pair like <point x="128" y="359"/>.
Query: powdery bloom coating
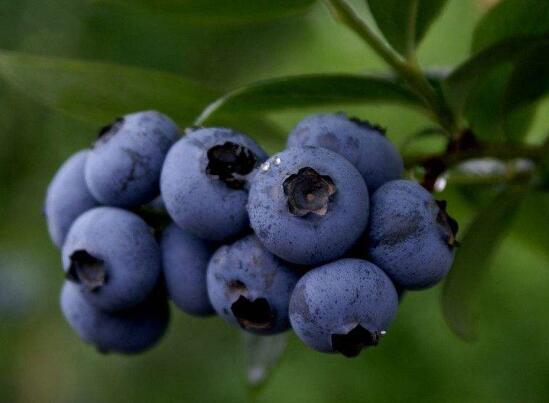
<point x="410" y="235"/>
<point x="362" y="143"/>
<point x="250" y="287"/>
<point x="67" y="197"/>
<point x="113" y="256"/>
<point x="184" y="263"/>
<point x="124" y="165"/>
<point x="343" y="306"/>
<point x="309" y="208"/>
<point x="204" y="182"/>
<point x="128" y="331"/>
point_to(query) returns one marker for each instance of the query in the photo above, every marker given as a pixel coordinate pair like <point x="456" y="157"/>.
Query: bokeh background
<point x="41" y="360"/>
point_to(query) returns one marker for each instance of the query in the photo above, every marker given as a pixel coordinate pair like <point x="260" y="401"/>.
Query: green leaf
<point x="532" y="222"/>
<point x="269" y="135"/>
<point x="461" y="288"/>
<point x="404" y="23"/>
<point x="512" y="19"/>
<point x="99" y="92"/>
<point x="464" y="79"/>
<point x="508" y="32"/>
<point x="222" y="12"/>
<point x="262" y="355"/>
<point x="529" y="81"/>
<point x="309" y="91"/>
<point x="485" y="109"/>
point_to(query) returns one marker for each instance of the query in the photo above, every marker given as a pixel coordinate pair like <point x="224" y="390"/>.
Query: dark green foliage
<point x="68" y="67"/>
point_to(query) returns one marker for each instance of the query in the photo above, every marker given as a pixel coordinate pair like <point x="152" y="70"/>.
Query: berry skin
<point x="185" y="261"/>
<point x="129" y="331"/>
<point x="205" y="182"/>
<point x="113" y="256"/>
<point x="410" y="236"/>
<point x="67" y="197"/>
<point x="363" y="144"/>
<point x="125" y="162"/>
<point x="343" y="306"/>
<point x="250" y="287"/>
<point x="308" y="205"/>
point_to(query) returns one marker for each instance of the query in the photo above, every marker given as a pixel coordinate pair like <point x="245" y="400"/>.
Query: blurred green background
<point x="41" y="360"/>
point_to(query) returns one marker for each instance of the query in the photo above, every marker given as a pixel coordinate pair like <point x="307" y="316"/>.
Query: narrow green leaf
<point x="100" y="91"/>
<point x="485" y="109"/>
<point x="309" y="91"/>
<point x="459" y="296"/>
<point x="512" y="19"/>
<point x="529" y="81"/>
<point x="263" y="353"/>
<point x="532" y="223"/>
<point x="222" y="12"/>
<point x="464" y="79"/>
<point x="404" y="23"/>
<point x="269" y="135"/>
<point x="509" y="31"/>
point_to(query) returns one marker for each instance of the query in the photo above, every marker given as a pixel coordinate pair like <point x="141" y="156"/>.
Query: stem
<point x="346" y="15"/>
<point x="411" y="37"/>
<point x="488" y="179"/>
<point x="496" y="150"/>
<point x="408" y="71"/>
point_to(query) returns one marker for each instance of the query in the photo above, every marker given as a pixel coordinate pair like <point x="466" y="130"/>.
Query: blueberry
<point x="67" y="197"/>
<point x="343" y="306"/>
<point x="113" y="256"/>
<point x="250" y="287"/>
<point x="124" y="165"/>
<point x="362" y="143"/>
<point x="128" y="331"/>
<point x="205" y="182"/>
<point x="410" y="236"/>
<point x="185" y="261"/>
<point x="308" y="205"/>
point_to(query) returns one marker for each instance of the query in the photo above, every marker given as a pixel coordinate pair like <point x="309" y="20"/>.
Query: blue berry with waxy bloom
<point x="127" y="331"/>
<point x="185" y="261"/>
<point x="363" y="144"/>
<point x="124" y="165"/>
<point x="67" y="197"/>
<point x="250" y="287"/>
<point x="308" y="205"/>
<point x="205" y="179"/>
<point x="112" y="255"/>
<point x="411" y="236"/>
<point x="343" y="307"/>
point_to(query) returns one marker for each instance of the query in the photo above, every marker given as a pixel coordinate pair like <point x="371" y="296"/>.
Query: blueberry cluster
<point x="322" y="238"/>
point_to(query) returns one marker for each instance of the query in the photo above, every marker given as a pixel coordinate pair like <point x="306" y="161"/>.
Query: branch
<point x="410" y="72"/>
<point x="482" y="150"/>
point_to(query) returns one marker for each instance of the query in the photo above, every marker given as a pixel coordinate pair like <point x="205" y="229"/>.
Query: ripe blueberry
<point x="250" y="287"/>
<point x="185" y="261"/>
<point x="343" y="306"/>
<point x="128" y="331"/>
<point x="410" y="236"/>
<point x="205" y="181"/>
<point x="124" y="165"/>
<point x="363" y="144"/>
<point x="113" y="256"/>
<point x="308" y="205"/>
<point x="67" y="197"/>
